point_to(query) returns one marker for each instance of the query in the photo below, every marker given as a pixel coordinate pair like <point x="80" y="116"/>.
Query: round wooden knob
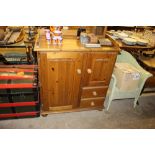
<point x="94" y="93"/>
<point x="79" y="71"/>
<point x="92" y="103"/>
<point x="89" y="71"/>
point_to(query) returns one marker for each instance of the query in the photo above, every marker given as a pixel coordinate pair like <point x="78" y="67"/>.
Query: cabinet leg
<point x="100" y="110"/>
<point x="44" y="115"/>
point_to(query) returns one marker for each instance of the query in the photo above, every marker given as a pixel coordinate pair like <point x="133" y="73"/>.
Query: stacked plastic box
<point x="19" y="97"/>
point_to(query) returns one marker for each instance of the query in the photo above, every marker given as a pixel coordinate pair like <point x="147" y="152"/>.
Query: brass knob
<point x="92" y="103"/>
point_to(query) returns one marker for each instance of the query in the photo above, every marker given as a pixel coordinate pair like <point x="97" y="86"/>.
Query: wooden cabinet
<point x="73" y="81"/>
<point x="72" y="77"/>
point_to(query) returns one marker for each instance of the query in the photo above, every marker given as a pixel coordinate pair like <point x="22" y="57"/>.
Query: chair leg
<point x="136" y="102"/>
<point x="108" y="103"/>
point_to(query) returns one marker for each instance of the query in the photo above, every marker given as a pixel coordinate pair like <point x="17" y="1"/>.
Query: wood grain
<point x="63" y="81"/>
<point x="92" y="102"/>
<point x="74" y="78"/>
<point x="101" y="65"/>
<point x="89" y="92"/>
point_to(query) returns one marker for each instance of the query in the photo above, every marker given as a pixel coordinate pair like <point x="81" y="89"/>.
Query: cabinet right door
<point x="99" y="68"/>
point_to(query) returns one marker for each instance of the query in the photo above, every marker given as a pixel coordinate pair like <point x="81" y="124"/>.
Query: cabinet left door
<point x="60" y="77"/>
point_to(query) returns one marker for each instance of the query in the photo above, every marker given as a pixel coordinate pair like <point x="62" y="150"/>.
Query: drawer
<point x="92" y="102"/>
<point x="90" y="92"/>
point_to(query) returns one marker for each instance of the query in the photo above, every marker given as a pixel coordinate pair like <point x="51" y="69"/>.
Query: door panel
<point x="99" y="69"/>
<point x="63" y="79"/>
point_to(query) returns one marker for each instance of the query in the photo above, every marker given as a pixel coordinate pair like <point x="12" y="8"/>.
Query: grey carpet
<point x="121" y="115"/>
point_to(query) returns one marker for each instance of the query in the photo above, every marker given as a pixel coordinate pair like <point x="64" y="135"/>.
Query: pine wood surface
<point x="72" y="77"/>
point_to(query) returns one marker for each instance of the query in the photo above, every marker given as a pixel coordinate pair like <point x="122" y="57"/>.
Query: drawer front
<point x="92" y="102"/>
<point x="91" y="92"/>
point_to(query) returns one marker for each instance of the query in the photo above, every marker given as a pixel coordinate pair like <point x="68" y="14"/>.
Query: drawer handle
<point x="94" y="93"/>
<point x="79" y="71"/>
<point x="92" y="103"/>
<point x="89" y="71"/>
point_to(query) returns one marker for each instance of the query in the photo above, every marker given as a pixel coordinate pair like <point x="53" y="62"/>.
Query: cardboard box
<point x="93" y="38"/>
<point x="127" y="76"/>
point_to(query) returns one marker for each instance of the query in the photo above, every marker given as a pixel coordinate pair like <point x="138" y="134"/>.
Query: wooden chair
<point x="115" y="93"/>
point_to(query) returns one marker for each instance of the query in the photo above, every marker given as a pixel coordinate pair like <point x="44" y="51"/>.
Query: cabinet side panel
<point x="42" y="63"/>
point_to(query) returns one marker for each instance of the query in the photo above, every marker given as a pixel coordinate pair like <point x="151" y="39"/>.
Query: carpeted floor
<point x="121" y="115"/>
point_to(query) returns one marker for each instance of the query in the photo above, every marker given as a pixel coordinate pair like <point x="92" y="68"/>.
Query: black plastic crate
<point x="24" y="109"/>
<point x="15" y="58"/>
<point x="19" y="93"/>
<point x="27" y="109"/>
<point x="5" y="110"/>
<point x="19" y="115"/>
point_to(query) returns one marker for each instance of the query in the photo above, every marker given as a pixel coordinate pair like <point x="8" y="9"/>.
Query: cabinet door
<point x="99" y="68"/>
<point x="63" y="76"/>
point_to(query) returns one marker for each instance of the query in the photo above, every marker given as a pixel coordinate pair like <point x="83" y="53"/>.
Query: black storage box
<point x="19" y="91"/>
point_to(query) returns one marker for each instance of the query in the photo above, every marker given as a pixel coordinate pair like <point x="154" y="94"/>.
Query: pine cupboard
<point x="72" y="77"/>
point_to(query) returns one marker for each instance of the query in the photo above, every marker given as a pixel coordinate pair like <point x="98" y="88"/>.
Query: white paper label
<point x="135" y="76"/>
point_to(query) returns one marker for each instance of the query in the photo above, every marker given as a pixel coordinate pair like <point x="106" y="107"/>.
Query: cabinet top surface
<point x="68" y="44"/>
